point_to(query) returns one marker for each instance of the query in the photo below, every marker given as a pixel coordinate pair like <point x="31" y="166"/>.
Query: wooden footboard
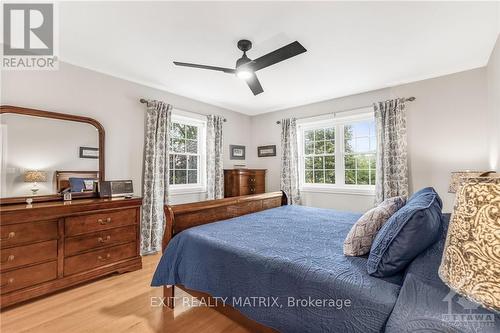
<point x="185" y="216"/>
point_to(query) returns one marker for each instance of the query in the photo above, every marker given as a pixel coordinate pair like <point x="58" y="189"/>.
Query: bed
<point x="255" y="249"/>
<point x="63" y="178"/>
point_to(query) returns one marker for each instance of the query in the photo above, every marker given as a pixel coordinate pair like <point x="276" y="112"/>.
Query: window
<point x="319" y="154"/>
<point x="187" y="146"/>
<point x="359" y="153"/>
<point x="338" y="153"/>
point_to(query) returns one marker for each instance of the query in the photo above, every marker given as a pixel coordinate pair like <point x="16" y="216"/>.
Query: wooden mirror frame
<point x="61" y="116"/>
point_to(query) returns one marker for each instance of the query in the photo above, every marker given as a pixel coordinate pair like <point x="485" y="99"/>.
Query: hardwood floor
<point x="120" y="303"/>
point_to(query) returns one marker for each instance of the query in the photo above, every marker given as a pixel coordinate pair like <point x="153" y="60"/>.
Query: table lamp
<point x="34" y="176"/>
<point x="458" y="177"/>
<point x="471" y="258"/>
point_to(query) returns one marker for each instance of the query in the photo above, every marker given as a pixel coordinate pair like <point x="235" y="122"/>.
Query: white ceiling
<point x="352" y="47"/>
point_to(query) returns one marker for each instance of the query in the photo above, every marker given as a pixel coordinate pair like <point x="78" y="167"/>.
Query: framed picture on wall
<point x="266" y="151"/>
<point x="236" y="152"/>
<point x="89" y="152"/>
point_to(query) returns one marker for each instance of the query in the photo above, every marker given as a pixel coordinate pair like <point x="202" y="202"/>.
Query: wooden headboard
<point x="185" y="216"/>
<point x="62" y="177"/>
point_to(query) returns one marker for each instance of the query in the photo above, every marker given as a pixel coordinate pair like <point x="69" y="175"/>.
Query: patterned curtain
<point x="155" y="178"/>
<point x="392" y="159"/>
<point x="290" y="160"/>
<point x="215" y="169"/>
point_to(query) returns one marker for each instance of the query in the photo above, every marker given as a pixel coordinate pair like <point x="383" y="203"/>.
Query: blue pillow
<point x="421" y="192"/>
<point x="407" y="233"/>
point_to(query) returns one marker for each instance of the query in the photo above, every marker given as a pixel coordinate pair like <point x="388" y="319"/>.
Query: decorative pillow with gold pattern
<point x="359" y="240"/>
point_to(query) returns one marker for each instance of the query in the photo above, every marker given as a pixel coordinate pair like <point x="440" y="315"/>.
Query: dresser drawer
<point x="87" y="261"/>
<point x="29" y="254"/>
<point x="101" y="221"/>
<point x="245" y="190"/>
<point x="26" y="277"/>
<point x="245" y="180"/>
<point x="16" y="234"/>
<point x="99" y="239"/>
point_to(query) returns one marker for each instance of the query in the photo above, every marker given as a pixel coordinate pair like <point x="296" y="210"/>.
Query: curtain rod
<point x="145" y="101"/>
<point x="409" y="99"/>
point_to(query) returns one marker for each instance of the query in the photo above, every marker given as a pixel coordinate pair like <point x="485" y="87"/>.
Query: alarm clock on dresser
<point x="116" y="188"/>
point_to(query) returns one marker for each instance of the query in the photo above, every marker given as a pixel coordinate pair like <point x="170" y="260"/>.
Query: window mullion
<point x="301" y="153"/>
<point x="339" y="155"/>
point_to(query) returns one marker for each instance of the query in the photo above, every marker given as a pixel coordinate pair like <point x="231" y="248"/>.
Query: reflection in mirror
<point x="32" y="149"/>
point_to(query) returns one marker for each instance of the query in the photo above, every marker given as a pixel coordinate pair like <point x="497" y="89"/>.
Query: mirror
<point x="44" y="153"/>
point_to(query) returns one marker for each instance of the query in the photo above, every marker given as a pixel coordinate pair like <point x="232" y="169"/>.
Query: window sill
<point x="186" y="190"/>
<point x="368" y="190"/>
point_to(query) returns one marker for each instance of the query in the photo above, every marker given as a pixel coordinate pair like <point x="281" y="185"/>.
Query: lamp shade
<point x="471" y="257"/>
<point x="459" y="177"/>
<point x="32" y="176"/>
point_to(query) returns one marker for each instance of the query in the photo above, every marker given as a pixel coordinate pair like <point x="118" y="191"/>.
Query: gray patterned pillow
<point x="359" y="240"/>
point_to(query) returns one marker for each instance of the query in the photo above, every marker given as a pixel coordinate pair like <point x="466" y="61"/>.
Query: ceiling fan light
<point x="244" y="74"/>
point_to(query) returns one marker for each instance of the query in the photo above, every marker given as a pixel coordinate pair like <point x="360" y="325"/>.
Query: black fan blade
<point x="214" y="68"/>
<point x="254" y="84"/>
<point x="286" y="52"/>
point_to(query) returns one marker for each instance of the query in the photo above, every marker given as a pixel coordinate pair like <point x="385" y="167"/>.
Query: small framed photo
<point x="236" y="152"/>
<point x="89" y="152"/>
<point x="266" y="151"/>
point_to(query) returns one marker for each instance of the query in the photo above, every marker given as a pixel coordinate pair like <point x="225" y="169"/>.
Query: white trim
<point x="339" y="155"/>
<point x="186" y="189"/>
<point x="336" y="121"/>
<point x="367" y="190"/>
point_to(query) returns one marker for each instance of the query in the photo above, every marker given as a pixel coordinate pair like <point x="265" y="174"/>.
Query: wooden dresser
<point x="49" y="246"/>
<point x="244" y="181"/>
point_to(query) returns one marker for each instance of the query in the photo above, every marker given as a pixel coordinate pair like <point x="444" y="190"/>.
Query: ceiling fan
<point x="246" y="68"/>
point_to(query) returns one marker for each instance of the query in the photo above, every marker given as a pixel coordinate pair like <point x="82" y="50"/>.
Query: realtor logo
<point x="28" y="36"/>
<point x="464" y="313"/>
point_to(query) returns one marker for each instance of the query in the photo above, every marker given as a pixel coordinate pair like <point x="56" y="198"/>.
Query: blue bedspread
<point x="292" y="253"/>
<point x="426" y="304"/>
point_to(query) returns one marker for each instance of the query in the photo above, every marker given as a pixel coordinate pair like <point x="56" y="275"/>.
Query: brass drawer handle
<point x="103" y="240"/>
<point x="9" y="281"/>
<point x="108" y="256"/>
<point x="11" y="235"/>
<point x="9" y="258"/>
<point x="104" y="222"/>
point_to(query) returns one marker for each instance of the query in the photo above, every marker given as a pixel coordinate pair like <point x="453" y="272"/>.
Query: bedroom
<point x="415" y="82"/>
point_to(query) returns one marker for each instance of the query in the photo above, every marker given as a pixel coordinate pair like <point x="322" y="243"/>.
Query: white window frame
<point x="200" y="121"/>
<point x="338" y="123"/>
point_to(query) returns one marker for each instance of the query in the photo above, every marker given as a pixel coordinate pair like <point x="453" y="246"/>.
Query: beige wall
<point x="446" y="132"/>
<point x="115" y="104"/>
<point x="449" y="125"/>
<point x="493" y="73"/>
<point x="267" y="132"/>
